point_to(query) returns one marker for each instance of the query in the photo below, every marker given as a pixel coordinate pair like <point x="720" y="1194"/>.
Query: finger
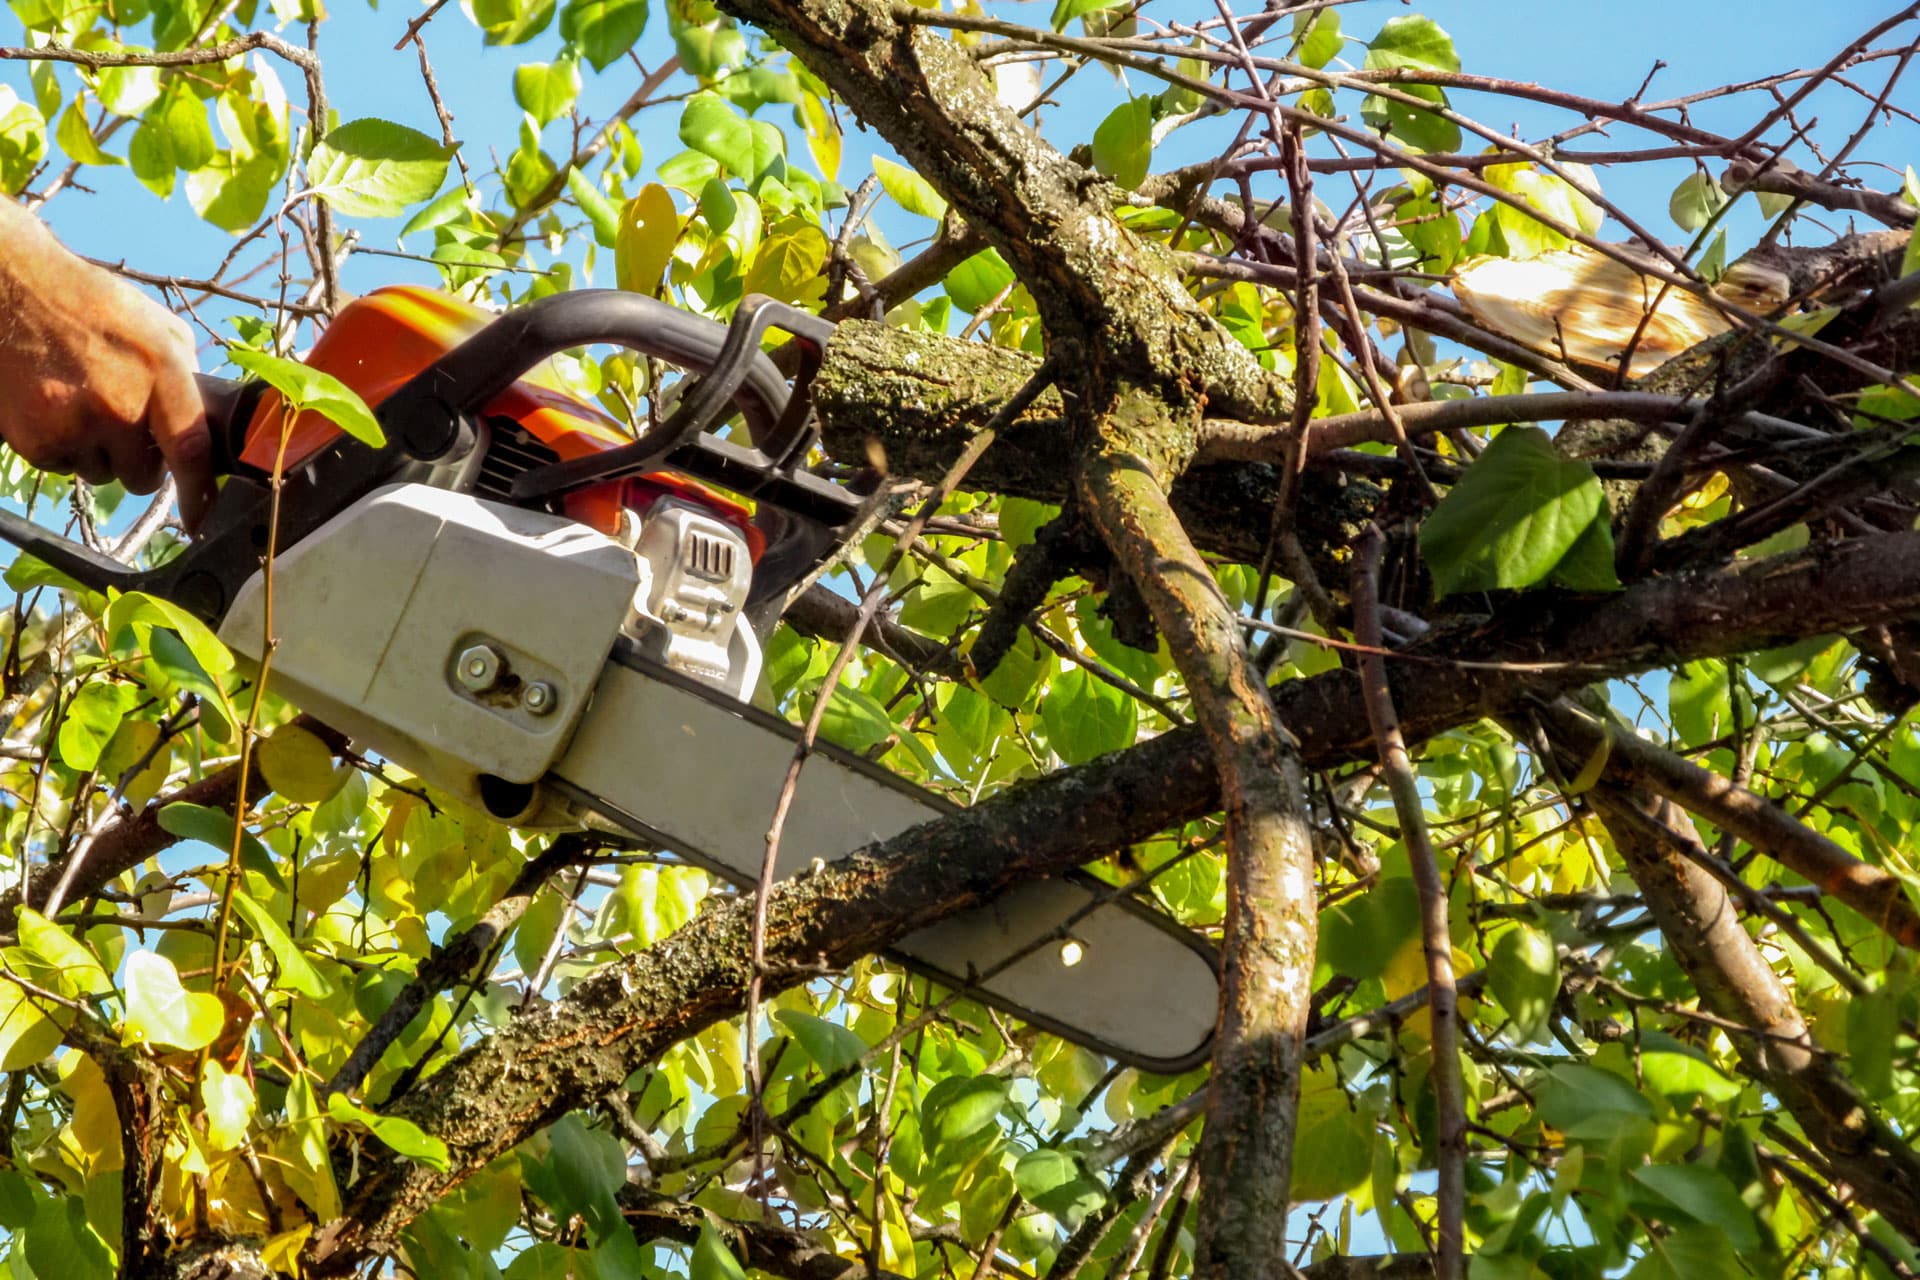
<point x="178" y="422"/>
<point x="135" y="460"/>
<point x="94" y="465"/>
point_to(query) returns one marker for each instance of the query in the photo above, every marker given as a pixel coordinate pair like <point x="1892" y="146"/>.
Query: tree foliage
<point x="1607" y="971"/>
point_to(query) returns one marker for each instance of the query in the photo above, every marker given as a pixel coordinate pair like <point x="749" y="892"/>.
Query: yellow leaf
<point x="299" y="766"/>
<point x="323" y="880"/>
<point x="135" y="742"/>
<point x="26" y="1034"/>
<point x="229" y="1101"/>
<point x="95" y="1126"/>
<point x="303" y="1151"/>
<point x="282" y="1252"/>
<point x="823" y="135"/>
<point x="789" y="263"/>
<point x="1407" y="970"/>
<point x="649" y="228"/>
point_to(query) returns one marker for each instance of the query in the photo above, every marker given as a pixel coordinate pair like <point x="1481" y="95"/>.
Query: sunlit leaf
<point x="163" y="1012"/>
<point x="374" y="168"/>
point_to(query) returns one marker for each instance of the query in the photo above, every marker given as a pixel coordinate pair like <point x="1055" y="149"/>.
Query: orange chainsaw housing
<point x="378" y="342"/>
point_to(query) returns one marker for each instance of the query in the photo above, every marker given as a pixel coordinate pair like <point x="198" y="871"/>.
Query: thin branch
<point x="1443" y="993"/>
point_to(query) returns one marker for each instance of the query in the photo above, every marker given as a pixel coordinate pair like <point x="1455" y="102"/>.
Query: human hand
<point x="97" y="377"/>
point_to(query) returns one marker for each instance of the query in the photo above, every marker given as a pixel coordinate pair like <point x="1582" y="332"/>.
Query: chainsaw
<point x="558" y="621"/>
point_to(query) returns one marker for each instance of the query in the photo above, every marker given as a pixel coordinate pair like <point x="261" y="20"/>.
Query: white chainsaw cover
<point x="372" y="609"/>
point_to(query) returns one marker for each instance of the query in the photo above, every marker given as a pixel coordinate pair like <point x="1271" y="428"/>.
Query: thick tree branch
<point x="508" y="1087"/>
<point x="1246" y="1150"/>
<point x="1735" y="981"/>
<point x="922" y="398"/>
<point x="1632" y="760"/>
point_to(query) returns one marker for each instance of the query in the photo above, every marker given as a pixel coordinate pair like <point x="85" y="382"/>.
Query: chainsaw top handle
<point x="430" y="418"/>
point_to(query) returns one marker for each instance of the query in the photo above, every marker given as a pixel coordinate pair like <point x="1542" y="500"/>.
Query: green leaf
<point x="579" y="1172"/>
<point x="162" y="1011"/>
<point x="1512" y="518"/>
<point x="747" y="148"/>
<point x="1713" y="263"/>
<point x="127" y="91"/>
<point x="707" y="51"/>
<point x="1413" y="127"/>
<point x="296" y="971"/>
<point x="1589" y="1102"/>
<point x="1320" y="41"/>
<point x="150" y="156"/>
<point x="1871" y="1018"/>
<point x="1700" y="701"/>
<point x="603" y="30"/>
<point x="601" y="212"/>
<point x="855" y="720"/>
<point x="509" y="22"/>
<point x="1688" y="1253"/>
<point x="27" y="1035"/>
<point x="449" y="206"/>
<point x="1706" y="1196"/>
<point x="937" y="603"/>
<point x="229" y="1103"/>
<point x="1523" y="972"/>
<point x="404" y="1137"/>
<point x="712" y="1260"/>
<point x="831" y="1046"/>
<point x="306" y="387"/>
<point x="1413" y="41"/>
<point x="23" y="140"/>
<point x="1123" y="143"/>
<point x="534" y="934"/>
<point x="75" y="137"/>
<point x="232" y="193"/>
<point x="1360" y="935"/>
<point x="1053" y="1181"/>
<point x="960" y="1106"/>
<point x="1683" y="1072"/>
<point x="215" y="827"/>
<point x="1333" y="1143"/>
<point x="545" y="90"/>
<point x="62" y="1243"/>
<point x="52" y="958"/>
<point x="1066" y="11"/>
<point x="89" y="722"/>
<point x="1086" y="717"/>
<point x="978" y="281"/>
<point x="17" y="1200"/>
<point x="1695" y="201"/>
<point x="375" y="169"/>
<point x="909" y="190"/>
<point x="1588" y="565"/>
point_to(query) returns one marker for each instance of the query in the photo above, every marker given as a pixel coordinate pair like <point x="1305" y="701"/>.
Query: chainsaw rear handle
<point x="229" y="406"/>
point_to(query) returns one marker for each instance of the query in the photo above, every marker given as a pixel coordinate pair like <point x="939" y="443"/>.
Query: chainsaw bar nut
<point x="539" y="697"/>
<point x="478" y="668"/>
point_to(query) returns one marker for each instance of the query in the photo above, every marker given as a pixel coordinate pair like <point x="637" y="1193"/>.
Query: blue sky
<point x="1604" y="51"/>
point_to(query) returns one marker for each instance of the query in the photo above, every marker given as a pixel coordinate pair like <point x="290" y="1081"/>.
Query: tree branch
<point x="1734" y="980"/>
